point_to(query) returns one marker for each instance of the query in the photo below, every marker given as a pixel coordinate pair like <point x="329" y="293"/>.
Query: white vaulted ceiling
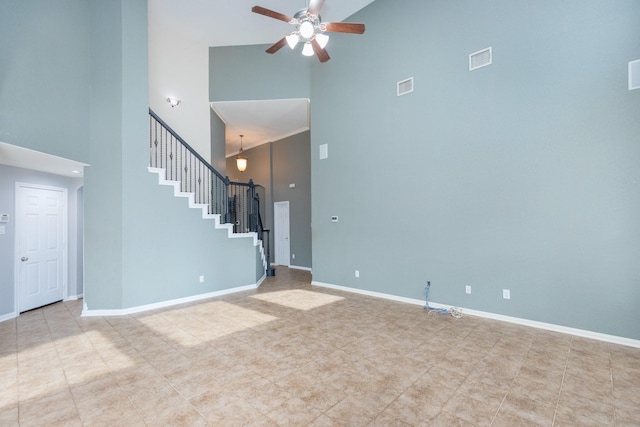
<point x="231" y="23"/>
<point x="261" y="121"/>
<point x="220" y="23"/>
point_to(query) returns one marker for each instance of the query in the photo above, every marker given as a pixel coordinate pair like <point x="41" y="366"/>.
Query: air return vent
<point x="405" y="86"/>
<point x="634" y="75"/>
<point x="480" y="59"/>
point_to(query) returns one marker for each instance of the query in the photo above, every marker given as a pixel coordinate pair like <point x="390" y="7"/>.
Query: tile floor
<point x="293" y="354"/>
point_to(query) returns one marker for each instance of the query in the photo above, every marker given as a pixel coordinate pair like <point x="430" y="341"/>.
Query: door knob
<point x="24" y="258"/>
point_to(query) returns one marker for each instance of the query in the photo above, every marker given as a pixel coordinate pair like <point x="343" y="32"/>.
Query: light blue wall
<point x="291" y="164"/>
<point x="241" y="73"/>
<point x="143" y="246"/>
<point x="218" y="143"/>
<point x="274" y="166"/>
<point x="169" y="246"/>
<point x="104" y="179"/>
<point x="8" y="178"/>
<point x="98" y="50"/>
<point x="45" y="76"/>
<point x="521" y="175"/>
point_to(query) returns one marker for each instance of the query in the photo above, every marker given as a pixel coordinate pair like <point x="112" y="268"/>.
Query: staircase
<point x="233" y="206"/>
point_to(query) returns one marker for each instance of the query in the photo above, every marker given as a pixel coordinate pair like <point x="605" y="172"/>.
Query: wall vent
<point x="480" y="59"/>
<point x="405" y="86"/>
<point x="634" y="74"/>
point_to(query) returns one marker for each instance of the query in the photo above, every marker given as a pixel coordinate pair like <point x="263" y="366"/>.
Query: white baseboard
<point x="8" y="316"/>
<point x="614" y="339"/>
<point x="86" y="312"/>
<point x="262" y="279"/>
<point x="74" y="297"/>
<point x="296" y="267"/>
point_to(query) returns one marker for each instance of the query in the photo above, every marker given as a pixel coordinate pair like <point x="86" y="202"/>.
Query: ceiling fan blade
<point x="345" y="27"/>
<point x="271" y="14"/>
<point x="322" y="54"/>
<point x="277" y="45"/>
<point x="315" y="6"/>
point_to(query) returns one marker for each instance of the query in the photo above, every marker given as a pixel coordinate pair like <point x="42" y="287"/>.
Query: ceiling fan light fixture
<point x="307" y="29"/>
<point x="322" y="39"/>
<point x="293" y="39"/>
<point x="307" y="50"/>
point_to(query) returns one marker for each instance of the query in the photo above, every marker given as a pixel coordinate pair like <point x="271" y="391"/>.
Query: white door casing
<point x="282" y="247"/>
<point x="41" y="246"/>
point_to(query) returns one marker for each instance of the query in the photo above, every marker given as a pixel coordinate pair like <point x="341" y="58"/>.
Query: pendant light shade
<point x="307" y="50"/>
<point x="292" y="40"/>
<point x="241" y="161"/>
<point x="322" y="39"/>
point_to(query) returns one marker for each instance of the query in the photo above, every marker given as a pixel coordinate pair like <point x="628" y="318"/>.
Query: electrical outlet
<point x="357" y="273"/>
<point x="293" y="256"/>
<point x="506" y="294"/>
<point x="467" y="289"/>
<point x="201" y="279"/>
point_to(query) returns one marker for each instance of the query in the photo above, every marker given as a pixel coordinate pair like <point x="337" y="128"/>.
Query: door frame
<point x="275" y="231"/>
<point x="19" y="225"/>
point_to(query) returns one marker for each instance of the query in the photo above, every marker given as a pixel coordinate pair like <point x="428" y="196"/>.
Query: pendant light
<point x="241" y="161"/>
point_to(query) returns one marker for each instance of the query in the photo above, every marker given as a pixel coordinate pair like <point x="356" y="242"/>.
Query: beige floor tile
<point x="147" y="401"/>
<point x="483" y="392"/>
<point x="589" y="384"/>
<point x="112" y="400"/>
<point x="182" y="414"/>
<point x="9" y="395"/>
<point x="95" y="387"/>
<point x="533" y="411"/>
<point x="294" y="412"/>
<point x="121" y="416"/>
<point x="324" y="421"/>
<point x="627" y="398"/>
<point x="338" y="359"/>
<point x="508" y="418"/>
<point x="214" y="401"/>
<point x="63" y="417"/>
<point x="583" y="411"/>
<point x="9" y="415"/>
<point x="545" y="392"/>
<point x="627" y="415"/>
<point x="447" y="419"/>
<point x="36" y="408"/>
<point x="35" y="387"/>
<point x="471" y="410"/>
<point x="416" y="408"/>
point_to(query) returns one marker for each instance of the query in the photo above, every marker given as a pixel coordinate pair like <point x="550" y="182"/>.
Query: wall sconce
<point x="173" y="102"/>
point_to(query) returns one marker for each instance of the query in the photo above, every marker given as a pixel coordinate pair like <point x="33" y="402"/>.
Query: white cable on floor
<point x="453" y="311"/>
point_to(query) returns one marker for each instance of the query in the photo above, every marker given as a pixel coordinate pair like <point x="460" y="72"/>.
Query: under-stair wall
<point x="185" y="247"/>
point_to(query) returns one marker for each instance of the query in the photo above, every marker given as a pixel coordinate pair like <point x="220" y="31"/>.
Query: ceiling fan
<point x="310" y="29"/>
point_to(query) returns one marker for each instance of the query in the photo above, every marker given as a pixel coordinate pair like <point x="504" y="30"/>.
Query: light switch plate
<point x="324" y="151"/>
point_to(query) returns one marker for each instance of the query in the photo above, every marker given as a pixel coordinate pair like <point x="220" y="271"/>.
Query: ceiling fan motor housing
<point x="307" y="24"/>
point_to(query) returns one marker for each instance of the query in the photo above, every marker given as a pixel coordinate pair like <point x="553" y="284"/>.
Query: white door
<point x="41" y="240"/>
<point x="281" y="232"/>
